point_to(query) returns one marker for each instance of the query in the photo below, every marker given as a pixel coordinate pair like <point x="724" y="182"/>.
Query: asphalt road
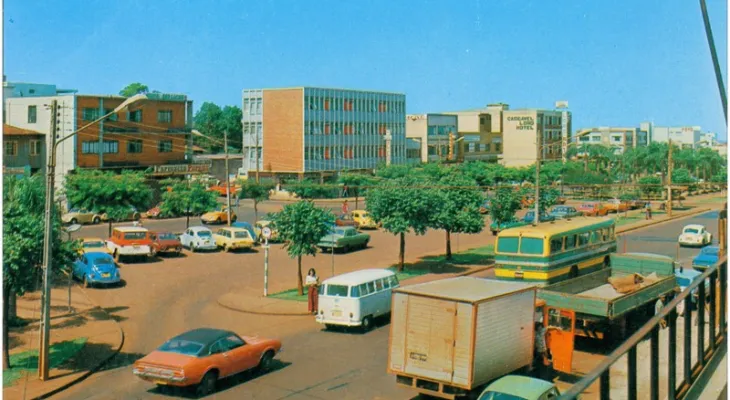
<point x="165" y="298"/>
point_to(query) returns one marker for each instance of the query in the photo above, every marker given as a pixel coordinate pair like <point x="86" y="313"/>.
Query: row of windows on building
<point x="482" y="147"/>
<point x="12" y="147"/>
<point x="341" y="104"/>
<point x="350" y="152"/>
<point x="352" y="128"/>
<point x="252" y="106"/>
<point x="91" y="114"/>
<point x="435" y="130"/>
<point x="252" y="127"/>
<point x="133" y="146"/>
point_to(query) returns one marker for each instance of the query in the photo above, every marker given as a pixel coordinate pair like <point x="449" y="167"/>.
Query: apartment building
<point x="481" y="129"/>
<point x="24" y="151"/>
<point x="619" y="138"/>
<point x="318" y="131"/>
<point x="437" y="134"/>
<point x="683" y="136"/>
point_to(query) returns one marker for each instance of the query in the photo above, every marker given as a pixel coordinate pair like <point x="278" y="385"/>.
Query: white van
<point x="356" y="298"/>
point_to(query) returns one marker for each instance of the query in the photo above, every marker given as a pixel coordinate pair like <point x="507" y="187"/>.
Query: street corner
<point x="260" y="305"/>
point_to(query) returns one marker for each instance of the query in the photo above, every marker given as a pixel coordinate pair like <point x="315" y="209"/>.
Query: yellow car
<point x="363" y="220"/>
<point x="218" y="216"/>
<point x="94" y="245"/>
<point x="233" y="239"/>
<point x="260" y="225"/>
<point x="80" y="216"/>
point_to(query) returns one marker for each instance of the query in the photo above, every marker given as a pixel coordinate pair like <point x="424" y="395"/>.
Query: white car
<point x="695" y="235"/>
<point x="198" y="238"/>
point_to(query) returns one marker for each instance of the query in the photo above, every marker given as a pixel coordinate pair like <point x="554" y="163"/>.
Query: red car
<point x="154" y="212"/>
<point x="203" y="356"/>
<point x="345" y="220"/>
<point x="164" y="242"/>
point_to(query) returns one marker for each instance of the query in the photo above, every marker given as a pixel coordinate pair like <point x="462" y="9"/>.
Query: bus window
<point x="604" y="232"/>
<point x="556" y="245"/>
<point x="532" y="246"/>
<point x="595" y="237"/>
<point x="337" y="290"/>
<point x="386" y="283"/>
<point x="569" y="242"/>
<point x="613" y="234"/>
<point x="507" y="244"/>
<point x="371" y="287"/>
<point x="583" y="239"/>
<point x="378" y="285"/>
<point x="355" y="291"/>
<point x="393" y="281"/>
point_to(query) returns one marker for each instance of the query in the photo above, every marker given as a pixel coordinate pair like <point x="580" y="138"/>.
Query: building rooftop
<point x="15" y="131"/>
<point x="325" y="88"/>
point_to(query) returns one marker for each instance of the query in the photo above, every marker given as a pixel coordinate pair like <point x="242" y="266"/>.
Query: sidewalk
<point x="81" y="342"/>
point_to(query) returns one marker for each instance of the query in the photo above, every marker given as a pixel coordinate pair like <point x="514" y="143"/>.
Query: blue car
<point x="708" y="257"/>
<point x="530" y="216"/>
<point x="96" y="268"/>
<point x="684" y="278"/>
<point x="245" y="225"/>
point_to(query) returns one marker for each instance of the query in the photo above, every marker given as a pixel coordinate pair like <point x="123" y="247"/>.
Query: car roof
<point x="199" y="228"/>
<point x="693" y="226"/>
<point x="522" y="386"/>
<point x="204" y="335"/>
<point x="234" y="229"/>
<point x="358" y="277"/>
<point x="131" y="229"/>
<point x="91" y="239"/>
<point x="714" y="248"/>
<point x="94" y="255"/>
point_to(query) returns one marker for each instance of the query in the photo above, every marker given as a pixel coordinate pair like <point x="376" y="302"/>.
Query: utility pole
<point x="669" y="179"/>
<point x="715" y="61"/>
<point x="257" y="155"/>
<point x="537" y="178"/>
<point x="45" y="327"/>
<point x="228" y="177"/>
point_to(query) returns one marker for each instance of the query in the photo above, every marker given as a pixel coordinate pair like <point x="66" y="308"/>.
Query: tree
<point x="134" y="88"/>
<point x="394" y="171"/>
<point x="208" y="120"/>
<point x="23" y="235"/>
<point x="301" y="225"/>
<point x="255" y="191"/>
<point x="650" y="185"/>
<point x="459" y="198"/>
<point x="105" y="191"/>
<point x="356" y="184"/>
<point x="504" y="205"/>
<point x="230" y="121"/>
<point x="187" y="198"/>
<point x="309" y="189"/>
<point x="402" y="205"/>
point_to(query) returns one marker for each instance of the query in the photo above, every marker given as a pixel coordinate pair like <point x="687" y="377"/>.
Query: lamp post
<point x="43" y="361"/>
<point x="228" y="174"/>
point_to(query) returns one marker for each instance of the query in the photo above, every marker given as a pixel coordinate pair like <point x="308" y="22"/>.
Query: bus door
<point x="560" y="326"/>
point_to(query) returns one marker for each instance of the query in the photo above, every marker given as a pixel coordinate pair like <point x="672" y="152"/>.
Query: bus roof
<point x="358" y="277"/>
<point x="559" y="226"/>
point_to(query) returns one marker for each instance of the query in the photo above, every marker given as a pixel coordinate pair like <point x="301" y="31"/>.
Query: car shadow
<point x="164" y="256"/>
<point x="379" y="322"/>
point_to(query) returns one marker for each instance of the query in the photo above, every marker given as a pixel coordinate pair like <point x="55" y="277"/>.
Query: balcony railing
<point x="714" y="301"/>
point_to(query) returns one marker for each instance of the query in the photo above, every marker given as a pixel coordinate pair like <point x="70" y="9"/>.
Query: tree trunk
<point x="356" y="200"/>
<point x="402" y="255"/>
<point x="300" y="286"/>
<point x="13" y="304"/>
<point x="448" y="245"/>
<point x="585" y="163"/>
<point x="255" y="210"/>
<point x="6" y="340"/>
<point x="110" y="227"/>
<point x="187" y="221"/>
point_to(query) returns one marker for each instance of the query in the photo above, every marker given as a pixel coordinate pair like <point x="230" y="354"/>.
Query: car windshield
<point x="204" y="233"/>
<point x="242" y="235"/>
<point x="93" y="245"/>
<point x="691" y="230"/>
<point x="167" y="236"/>
<point x="499" y="396"/>
<point x="339" y="232"/>
<point x="365" y="215"/>
<point x="102" y="261"/>
<point x="181" y="346"/>
<point x="530" y="214"/>
<point x="710" y="251"/>
<point x="337" y="290"/>
<point x="135" y="235"/>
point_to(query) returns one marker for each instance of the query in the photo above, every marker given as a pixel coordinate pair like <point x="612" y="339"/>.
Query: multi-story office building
<point x="683" y="136"/>
<point x="482" y="132"/>
<point x="522" y="128"/>
<point x="306" y="130"/>
<point x="437" y="133"/>
<point x="619" y="138"/>
<point x="154" y="134"/>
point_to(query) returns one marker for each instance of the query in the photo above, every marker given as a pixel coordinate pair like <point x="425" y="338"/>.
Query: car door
<point x="219" y="358"/>
<point x="243" y="356"/>
<point x="187" y="238"/>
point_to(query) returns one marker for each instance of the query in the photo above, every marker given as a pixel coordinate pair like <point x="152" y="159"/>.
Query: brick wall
<point x="283" y="130"/>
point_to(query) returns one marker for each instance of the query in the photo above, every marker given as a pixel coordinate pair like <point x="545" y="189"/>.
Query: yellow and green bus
<point x="555" y="251"/>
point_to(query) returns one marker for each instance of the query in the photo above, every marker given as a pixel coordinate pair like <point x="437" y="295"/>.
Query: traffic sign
<point x="266" y="232"/>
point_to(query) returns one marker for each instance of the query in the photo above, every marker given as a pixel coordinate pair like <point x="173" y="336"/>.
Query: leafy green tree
<point x="459" y="198"/>
<point x="23" y="235"/>
<point x="356" y="184"/>
<point x="186" y="198"/>
<point x="548" y="198"/>
<point x="504" y="205"/>
<point x="310" y="189"/>
<point x="256" y="191"/>
<point x="105" y="191"/>
<point x="402" y="205"/>
<point x="134" y="88"/>
<point x="208" y="120"/>
<point x="394" y="171"/>
<point x="650" y="185"/>
<point x="720" y="177"/>
<point x="301" y="225"/>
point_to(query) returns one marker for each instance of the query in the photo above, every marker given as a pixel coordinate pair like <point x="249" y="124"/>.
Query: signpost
<point x="266" y="233"/>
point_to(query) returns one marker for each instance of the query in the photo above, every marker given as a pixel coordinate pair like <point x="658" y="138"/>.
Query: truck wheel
<point x="494" y="233"/>
<point x="86" y="282"/>
<point x="573" y="271"/>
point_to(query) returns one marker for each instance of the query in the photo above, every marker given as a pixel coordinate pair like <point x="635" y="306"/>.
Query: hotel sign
<point x="522" y="123"/>
<point x="173" y="169"/>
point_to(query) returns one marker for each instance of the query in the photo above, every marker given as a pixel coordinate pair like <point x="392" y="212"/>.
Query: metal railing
<point x="715" y="301"/>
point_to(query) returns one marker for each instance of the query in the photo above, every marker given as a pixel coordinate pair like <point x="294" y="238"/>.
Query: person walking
<point x="345" y="207"/>
<point x="647" y="208"/>
<point x="312" y="283"/>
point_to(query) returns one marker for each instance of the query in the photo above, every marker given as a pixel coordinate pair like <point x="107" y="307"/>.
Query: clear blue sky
<point x="616" y="62"/>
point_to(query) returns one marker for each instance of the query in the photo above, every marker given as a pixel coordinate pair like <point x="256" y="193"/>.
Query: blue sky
<point x="616" y="62"/>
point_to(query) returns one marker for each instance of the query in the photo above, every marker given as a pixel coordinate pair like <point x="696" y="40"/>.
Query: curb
<point x="675" y="217"/>
<point x="94" y="368"/>
<point x="338" y="200"/>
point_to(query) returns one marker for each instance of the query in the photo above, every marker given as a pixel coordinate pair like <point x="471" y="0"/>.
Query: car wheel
<point x="207" y="384"/>
<point x="367" y="324"/>
<point x="219" y="220"/>
<point x="494" y="233"/>
<point x="96" y="220"/>
<point x="74" y="221"/>
<point x="192" y="248"/>
<point x="226" y="248"/>
<point x="346" y="249"/>
<point x="365" y="245"/>
<point x="265" y="363"/>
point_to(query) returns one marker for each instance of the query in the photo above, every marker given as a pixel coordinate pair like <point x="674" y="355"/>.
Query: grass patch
<point x="718" y="199"/>
<point x="27" y="361"/>
<point x="290" y="294"/>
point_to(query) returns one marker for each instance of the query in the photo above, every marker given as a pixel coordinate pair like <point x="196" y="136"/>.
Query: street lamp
<point x="45" y="328"/>
<point x="228" y="176"/>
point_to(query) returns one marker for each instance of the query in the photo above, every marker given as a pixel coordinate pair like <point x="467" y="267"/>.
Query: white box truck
<point x="453" y="336"/>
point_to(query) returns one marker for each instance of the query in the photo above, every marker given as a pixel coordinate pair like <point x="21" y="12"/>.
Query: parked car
<point x="637" y="204"/>
<point x="218" y="216"/>
<point x="81" y="216"/>
<point x="363" y="219"/>
<point x="96" y="268"/>
<point x="264" y="223"/>
<point x="498" y="227"/>
<point x="96" y="245"/>
<point x="684" y="278"/>
<point x="231" y="238"/>
<point x="695" y="235"/>
<point x="131" y="215"/>
<point x="130" y="241"/>
<point x="203" y="356"/>
<point x="154" y="212"/>
<point x="222" y="189"/>
<point x="250" y="228"/>
<point x="198" y="238"/>
<point x="530" y="217"/>
<point x="708" y="256"/>
<point x="564" y="212"/>
<point x="345" y="220"/>
<point x="593" y="209"/>
<point x="513" y="387"/>
<point x="344" y="238"/>
<point x="616" y="206"/>
<point x="484" y="208"/>
<point x="164" y="242"/>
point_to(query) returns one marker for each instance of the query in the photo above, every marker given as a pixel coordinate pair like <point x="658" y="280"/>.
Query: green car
<point x="496" y="228"/>
<point x="343" y="238"/>
<point x="515" y="387"/>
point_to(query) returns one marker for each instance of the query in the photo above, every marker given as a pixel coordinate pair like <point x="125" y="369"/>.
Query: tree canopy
<point x="186" y="198"/>
<point x="256" y="191"/>
<point x="212" y="121"/>
<point x="133" y="89"/>
<point x="459" y="200"/>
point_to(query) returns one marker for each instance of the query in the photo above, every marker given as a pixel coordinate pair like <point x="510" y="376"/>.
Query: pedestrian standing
<point x="647" y="208"/>
<point x="238" y="201"/>
<point x="542" y="356"/>
<point x="345" y="207"/>
<point x="344" y="191"/>
<point x="312" y="283"/>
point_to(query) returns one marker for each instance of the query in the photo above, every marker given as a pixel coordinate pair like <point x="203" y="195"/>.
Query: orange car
<point x="594" y="209"/>
<point x="617" y="206"/>
<point x="203" y="356"/>
<point x="222" y="189"/>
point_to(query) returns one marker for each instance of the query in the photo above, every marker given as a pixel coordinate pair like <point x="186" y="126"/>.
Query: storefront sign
<point x="166" y="97"/>
<point x="16" y="170"/>
<point x="181" y="169"/>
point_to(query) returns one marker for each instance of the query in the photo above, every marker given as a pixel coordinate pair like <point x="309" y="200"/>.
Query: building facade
<point x="619" y="138"/>
<point x="437" y="134"/>
<point x="306" y="130"/>
<point x="24" y="151"/>
<point x="482" y="132"/>
<point x="683" y="136"/>
<point x="522" y="128"/>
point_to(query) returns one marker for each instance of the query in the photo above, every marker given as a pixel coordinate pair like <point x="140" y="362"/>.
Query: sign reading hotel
<point x="522" y="122"/>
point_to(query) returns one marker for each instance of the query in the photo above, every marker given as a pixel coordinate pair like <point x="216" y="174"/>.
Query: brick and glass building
<point x="318" y="131"/>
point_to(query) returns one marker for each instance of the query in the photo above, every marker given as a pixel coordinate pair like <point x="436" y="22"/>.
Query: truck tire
<point x="573" y="272"/>
<point x="607" y="262"/>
